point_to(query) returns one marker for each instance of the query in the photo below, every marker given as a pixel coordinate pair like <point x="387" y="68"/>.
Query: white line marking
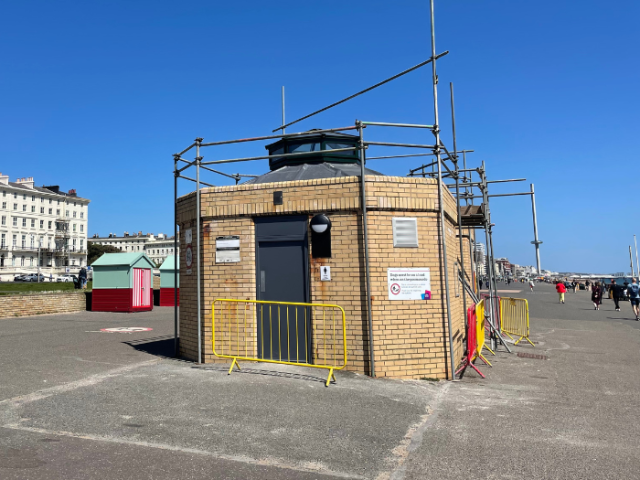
<point x="268" y="462"/>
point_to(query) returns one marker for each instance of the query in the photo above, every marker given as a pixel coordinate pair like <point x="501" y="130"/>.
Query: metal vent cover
<point x="405" y="232"/>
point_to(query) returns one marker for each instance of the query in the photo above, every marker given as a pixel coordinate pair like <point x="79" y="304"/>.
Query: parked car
<point x="33" y="277"/>
<point x="67" y="277"/>
<point x="20" y="278"/>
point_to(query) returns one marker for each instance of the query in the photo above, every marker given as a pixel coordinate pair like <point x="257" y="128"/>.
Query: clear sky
<point x="98" y="95"/>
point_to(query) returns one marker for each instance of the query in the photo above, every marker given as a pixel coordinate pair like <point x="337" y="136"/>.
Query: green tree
<point x="95" y="251"/>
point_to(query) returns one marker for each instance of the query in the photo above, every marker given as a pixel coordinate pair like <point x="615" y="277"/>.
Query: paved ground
<point x="77" y="404"/>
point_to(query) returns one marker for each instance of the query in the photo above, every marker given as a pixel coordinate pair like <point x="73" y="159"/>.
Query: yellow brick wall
<point x="410" y="337"/>
<point x="42" y="303"/>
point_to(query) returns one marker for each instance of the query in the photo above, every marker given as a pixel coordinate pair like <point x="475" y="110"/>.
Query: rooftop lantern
<point x="321" y="143"/>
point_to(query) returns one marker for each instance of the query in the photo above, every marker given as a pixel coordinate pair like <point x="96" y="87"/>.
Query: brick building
<point x="410" y="337"/>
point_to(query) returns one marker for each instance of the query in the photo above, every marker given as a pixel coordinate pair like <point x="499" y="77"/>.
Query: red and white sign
<point x="126" y="329"/>
<point x="188" y="254"/>
<point x="409" y="283"/>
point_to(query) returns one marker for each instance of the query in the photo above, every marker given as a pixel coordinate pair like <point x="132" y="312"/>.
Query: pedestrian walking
<point x="616" y="293"/>
<point x="587" y="284"/>
<point x="561" y="289"/>
<point x="634" y="296"/>
<point x="50" y="277"/>
<point x="83" y="277"/>
<point x="480" y="284"/>
<point x="596" y="295"/>
<point x="531" y="285"/>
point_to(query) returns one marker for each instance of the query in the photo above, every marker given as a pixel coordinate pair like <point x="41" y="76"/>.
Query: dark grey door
<point x="282" y="270"/>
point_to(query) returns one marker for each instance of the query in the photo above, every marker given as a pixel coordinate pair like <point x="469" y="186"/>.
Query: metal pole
<point x="436" y="150"/>
<point x="175" y="253"/>
<point x="283" y="122"/>
<point x="536" y="242"/>
<point x="366" y="247"/>
<point x="631" y="261"/>
<point x="455" y="162"/>
<point x="637" y="264"/>
<point x="474" y="271"/>
<point x="198" y="160"/>
<point x="40" y="245"/>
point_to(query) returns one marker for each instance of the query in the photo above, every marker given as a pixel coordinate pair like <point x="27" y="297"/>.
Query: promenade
<point x="78" y="403"/>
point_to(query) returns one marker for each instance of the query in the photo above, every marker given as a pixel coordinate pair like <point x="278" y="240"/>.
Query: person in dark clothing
<point x="480" y="284"/>
<point x="616" y="293"/>
<point x="596" y="295"/>
<point x="83" y="277"/>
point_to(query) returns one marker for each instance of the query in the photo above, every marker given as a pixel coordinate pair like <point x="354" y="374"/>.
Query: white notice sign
<point x="325" y="273"/>
<point x="188" y="236"/>
<point x="409" y="283"/>
<point x="228" y="249"/>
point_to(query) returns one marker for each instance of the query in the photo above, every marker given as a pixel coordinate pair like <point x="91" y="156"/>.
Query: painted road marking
<point x="126" y="329"/>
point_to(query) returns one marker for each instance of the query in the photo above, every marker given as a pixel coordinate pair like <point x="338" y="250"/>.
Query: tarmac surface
<point x="78" y="403"/>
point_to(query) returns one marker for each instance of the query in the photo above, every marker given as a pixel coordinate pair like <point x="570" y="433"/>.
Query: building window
<point x="4" y="239"/>
<point x="4" y="220"/>
<point x="24" y="222"/>
<point x="57" y="211"/>
<point x="15" y="221"/>
<point x="74" y="204"/>
<point x="81" y="214"/>
<point x="4" y="205"/>
<point x="15" y="195"/>
<point x="33" y="198"/>
<point x="41" y="199"/>
<point x="24" y="196"/>
<point x="32" y="242"/>
<point x="33" y="209"/>
<point x="50" y="222"/>
<point x="74" y="214"/>
<point x="22" y="261"/>
<point x="42" y="222"/>
<point x="82" y="230"/>
<point x="15" y="206"/>
<point x="31" y="261"/>
<point x="15" y="240"/>
<point x="4" y="193"/>
<point x="74" y="227"/>
<point x="67" y="213"/>
<point x="41" y="209"/>
<point x="24" y="241"/>
<point x="33" y="223"/>
<point x="51" y="211"/>
<point x="50" y="201"/>
<point x="24" y="208"/>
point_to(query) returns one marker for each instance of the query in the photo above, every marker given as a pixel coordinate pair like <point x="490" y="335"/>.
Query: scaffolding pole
<point x="436" y="151"/>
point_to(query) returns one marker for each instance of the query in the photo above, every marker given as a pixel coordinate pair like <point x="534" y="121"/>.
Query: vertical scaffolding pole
<point x="633" y="274"/>
<point x="283" y="122"/>
<point x="198" y="160"/>
<point x="175" y="256"/>
<point x="436" y="151"/>
<point x="372" y="363"/>
<point x="457" y="170"/>
<point x="536" y="242"/>
<point x="637" y="264"/>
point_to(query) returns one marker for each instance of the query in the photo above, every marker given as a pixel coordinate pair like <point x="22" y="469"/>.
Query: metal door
<point x="282" y="268"/>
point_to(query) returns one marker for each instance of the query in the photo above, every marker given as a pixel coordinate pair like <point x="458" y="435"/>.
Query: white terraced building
<point x="41" y="228"/>
<point x="157" y="247"/>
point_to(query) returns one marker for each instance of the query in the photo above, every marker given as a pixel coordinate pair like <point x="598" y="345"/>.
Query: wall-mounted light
<point x="320" y="236"/>
<point x="320" y="223"/>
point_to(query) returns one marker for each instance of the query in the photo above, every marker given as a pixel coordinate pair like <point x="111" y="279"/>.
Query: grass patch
<point x="20" y="288"/>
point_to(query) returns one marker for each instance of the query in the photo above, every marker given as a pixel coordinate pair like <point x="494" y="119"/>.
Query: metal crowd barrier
<point x="480" y="330"/>
<point x="472" y="343"/>
<point x="304" y="334"/>
<point x="514" y="313"/>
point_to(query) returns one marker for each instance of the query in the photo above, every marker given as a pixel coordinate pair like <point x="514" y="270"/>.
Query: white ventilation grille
<point x="405" y="232"/>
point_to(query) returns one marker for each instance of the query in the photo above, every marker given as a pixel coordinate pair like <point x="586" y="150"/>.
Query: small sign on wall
<point x="228" y="249"/>
<point x="409" y="283"/>
<point x="325" y="273"/>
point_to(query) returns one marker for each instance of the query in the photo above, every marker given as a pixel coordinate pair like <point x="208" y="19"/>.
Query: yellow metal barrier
<point x="514" y="314"/>
<point x="480" y="329"/>
<point x="304" y="334"/>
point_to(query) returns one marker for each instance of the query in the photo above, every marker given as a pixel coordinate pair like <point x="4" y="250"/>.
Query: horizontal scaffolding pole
<point x="282" y="155"/>
<point x="405" y="125"/>
<point x="408" y="145"/>
<point x="422" y="64"/>
<point x="271" y="137"/>
<point x="185" y="150"/>
<point x="412" y="155"/>
<point x="500" y="195"/>
<point x="195" y="181"/>
<point x="470" y="184"/>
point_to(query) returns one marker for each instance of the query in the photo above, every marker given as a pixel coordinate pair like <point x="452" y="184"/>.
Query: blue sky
<point x="97" y="96"/>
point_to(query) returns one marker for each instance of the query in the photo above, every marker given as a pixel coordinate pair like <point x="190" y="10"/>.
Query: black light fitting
<point x="320" y="224"/>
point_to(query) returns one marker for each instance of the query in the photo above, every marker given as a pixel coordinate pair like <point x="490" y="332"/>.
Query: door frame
<point x="300" y="237"/>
